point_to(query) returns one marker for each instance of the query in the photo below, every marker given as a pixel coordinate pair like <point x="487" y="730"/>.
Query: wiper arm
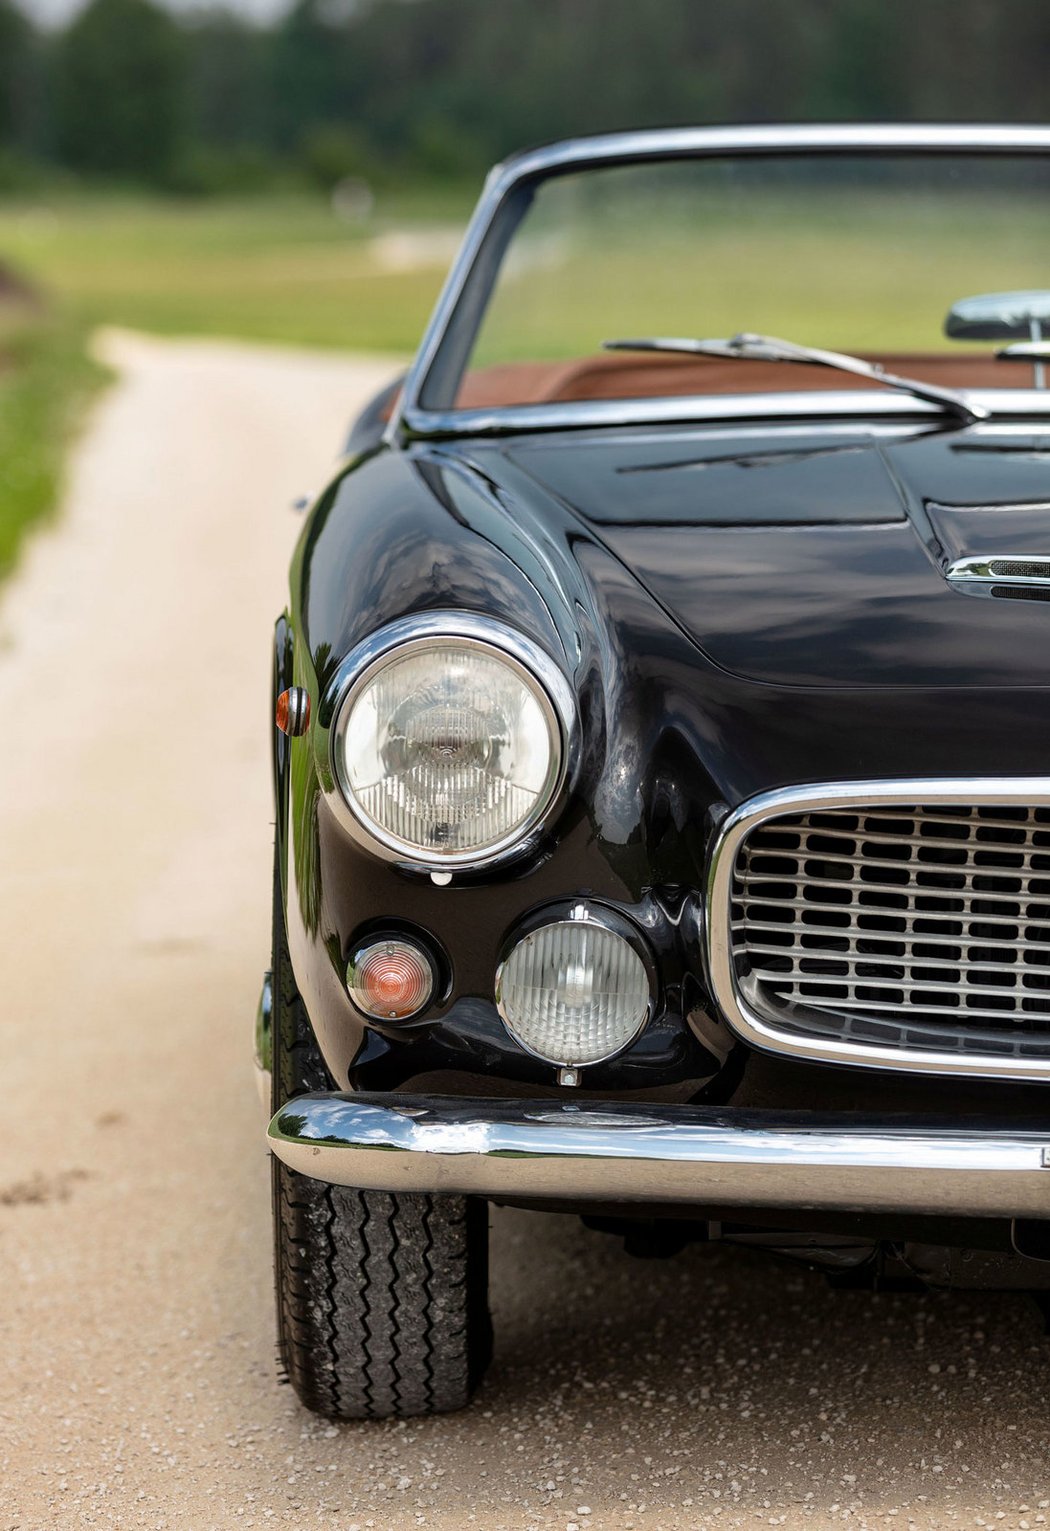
<point x="748" y="347"/>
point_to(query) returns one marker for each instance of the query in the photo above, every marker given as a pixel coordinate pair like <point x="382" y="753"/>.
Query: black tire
<point x="382" y="1299"/>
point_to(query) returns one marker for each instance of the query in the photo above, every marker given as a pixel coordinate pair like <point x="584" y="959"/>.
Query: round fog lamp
<point x="573" y="992"/>
<point x="390" y="979"/>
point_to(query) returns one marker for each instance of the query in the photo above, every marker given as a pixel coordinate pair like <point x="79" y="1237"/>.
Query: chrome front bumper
<point x="549" y="1150"/>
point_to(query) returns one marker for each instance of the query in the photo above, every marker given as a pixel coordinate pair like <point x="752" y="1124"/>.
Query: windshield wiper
<point x="768" y="348"/>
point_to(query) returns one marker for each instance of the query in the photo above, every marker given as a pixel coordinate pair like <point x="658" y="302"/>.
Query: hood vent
<point x="1021" y="592"/>
<point x="1021" y="568"/>
<point x="1018" y="575"/>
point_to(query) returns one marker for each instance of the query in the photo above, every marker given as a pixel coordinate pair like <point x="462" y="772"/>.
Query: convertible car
<point x="662" y="746"/>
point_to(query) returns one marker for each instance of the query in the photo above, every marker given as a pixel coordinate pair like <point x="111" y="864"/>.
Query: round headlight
<point x="573" y="992"/>
<point x="448" y="749"/>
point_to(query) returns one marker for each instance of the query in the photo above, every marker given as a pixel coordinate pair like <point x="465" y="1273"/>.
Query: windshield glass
<point x="862" y="253"/>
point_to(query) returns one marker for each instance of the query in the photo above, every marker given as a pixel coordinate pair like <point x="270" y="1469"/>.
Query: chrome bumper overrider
<point x="611" y="1152"/>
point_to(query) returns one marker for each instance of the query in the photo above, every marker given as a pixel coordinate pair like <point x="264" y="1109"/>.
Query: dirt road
<point x="137" y="1383"/>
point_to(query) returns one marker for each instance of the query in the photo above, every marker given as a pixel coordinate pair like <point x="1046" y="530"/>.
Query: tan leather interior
<point x="623" y="375"/>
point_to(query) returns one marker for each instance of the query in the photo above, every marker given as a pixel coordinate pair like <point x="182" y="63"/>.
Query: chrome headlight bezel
<point x="533" y="666"/>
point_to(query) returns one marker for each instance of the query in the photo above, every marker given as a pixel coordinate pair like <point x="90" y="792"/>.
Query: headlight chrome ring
<point x="534" y="686"/>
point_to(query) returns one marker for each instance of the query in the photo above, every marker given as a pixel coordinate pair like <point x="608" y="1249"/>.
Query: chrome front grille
<point x="923" y="927"/>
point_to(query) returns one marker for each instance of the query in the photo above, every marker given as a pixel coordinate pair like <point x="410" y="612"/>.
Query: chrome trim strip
<point x="774" y="138"/>
<point x="979" y="571"/>
<point x="671" y="143"/>
<point x="586" y="414"/>
<point x="424" y="630"/>
<point x="758" y="1030"/>
<point x="538" y="1149"/>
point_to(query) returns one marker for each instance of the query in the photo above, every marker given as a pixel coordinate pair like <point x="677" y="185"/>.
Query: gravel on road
<point x="138" y="1385"/>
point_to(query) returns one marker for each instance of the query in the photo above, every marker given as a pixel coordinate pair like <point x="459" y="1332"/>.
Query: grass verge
<point x="46" y="379"/>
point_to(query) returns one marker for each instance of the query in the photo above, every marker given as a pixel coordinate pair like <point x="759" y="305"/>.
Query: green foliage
<point x="121" y="80"/>
<point x="331" y="154"/>
<point x="207" y="170"/>
<point x="45" y="378"/>
<point x="444" y="87"/>
<point x="16" y="45"/>
<point x="20" y="175"/>
<point x="227" y="81"/>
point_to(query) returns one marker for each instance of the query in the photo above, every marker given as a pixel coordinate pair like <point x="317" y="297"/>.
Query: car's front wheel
<point x="382" y="1302"/>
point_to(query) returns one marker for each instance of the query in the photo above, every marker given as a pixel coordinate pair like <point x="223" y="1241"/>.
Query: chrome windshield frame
<point x="460" y="294"/>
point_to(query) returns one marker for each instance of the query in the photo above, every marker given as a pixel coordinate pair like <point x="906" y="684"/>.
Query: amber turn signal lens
<point x="391" y="979"/>
<point x="293" y="711"/>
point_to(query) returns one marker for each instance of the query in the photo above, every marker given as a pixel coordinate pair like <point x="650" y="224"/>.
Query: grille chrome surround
<point x="840" y="978"/>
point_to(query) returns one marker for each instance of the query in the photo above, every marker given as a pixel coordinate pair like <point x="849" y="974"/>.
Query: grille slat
<point x="923" y="925"/>
<point x="862" y="933"/>
<point x="962" y="880"/>
<point x="825" y="954"/>
<point x="832" y="982"/>
<point x="1025" y="834"/>
<point x="950" y="878"/>
<point x="885" y="1008"/>
<point x="801" y="927"/>
<point x="962" y="914"/>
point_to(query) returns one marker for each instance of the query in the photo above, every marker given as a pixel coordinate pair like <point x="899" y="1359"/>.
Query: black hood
<point x="817" y="557"/>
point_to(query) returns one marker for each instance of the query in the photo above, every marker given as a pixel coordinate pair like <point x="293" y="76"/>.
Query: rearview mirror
<point x="999" y="316"/>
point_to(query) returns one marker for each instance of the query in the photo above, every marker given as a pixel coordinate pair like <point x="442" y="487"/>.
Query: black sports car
<point x="662" y="747"/>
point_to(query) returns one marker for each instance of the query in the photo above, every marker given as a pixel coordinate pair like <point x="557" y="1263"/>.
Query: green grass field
<point x="281" y="269"/>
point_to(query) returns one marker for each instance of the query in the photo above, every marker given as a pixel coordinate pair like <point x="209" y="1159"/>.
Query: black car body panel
<point x="657" y="616"/>
<point x="810" y="559"/>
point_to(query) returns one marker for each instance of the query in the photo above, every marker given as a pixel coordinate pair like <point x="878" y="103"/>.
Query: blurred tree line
<point x="376" y="88"/>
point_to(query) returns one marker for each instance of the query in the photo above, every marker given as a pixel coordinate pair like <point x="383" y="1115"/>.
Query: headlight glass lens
<point x="448" y="750"/>
<point x="573" y="992"/>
